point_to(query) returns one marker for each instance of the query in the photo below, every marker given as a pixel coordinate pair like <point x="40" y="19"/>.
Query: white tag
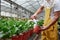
<point x="35" y="25"/>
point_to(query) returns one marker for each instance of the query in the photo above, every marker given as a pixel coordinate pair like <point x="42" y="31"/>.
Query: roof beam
<point x="11" y="2"/>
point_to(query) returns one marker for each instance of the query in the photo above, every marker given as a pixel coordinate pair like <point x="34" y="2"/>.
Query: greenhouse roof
<point x="31" y="5"/>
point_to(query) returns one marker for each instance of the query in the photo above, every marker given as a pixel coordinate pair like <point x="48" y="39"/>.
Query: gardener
<point x="52" y="13"/>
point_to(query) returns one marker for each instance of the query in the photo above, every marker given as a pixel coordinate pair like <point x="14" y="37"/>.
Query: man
<point x="52" y="13"/>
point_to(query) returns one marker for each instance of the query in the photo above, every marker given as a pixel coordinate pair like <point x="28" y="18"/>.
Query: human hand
<point x="44" y="28"/>
<point x="33" y="16"/>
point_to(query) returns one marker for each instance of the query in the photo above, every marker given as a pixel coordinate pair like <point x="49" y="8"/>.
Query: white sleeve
<point x="57" y="6"/>
<point x="42" y="2"/>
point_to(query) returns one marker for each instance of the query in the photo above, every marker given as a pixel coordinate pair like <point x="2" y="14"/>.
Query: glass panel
<point x="5" y="3"/>
<point x="29" y="7"/>
<point x="20" y="1"/>
<point x="32" y="2"/>
<point x="35" y="4"/>
<point x="41" y="1"/>
<point x="13" y="0"/>
<point x="24" y="5"/>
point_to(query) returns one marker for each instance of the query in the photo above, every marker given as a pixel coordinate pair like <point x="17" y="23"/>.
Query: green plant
<point x="11" y="26"/>
<point x="40" y="22"/>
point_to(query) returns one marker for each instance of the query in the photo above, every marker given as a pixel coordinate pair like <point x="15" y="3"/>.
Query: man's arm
<point x="37" y="12"/>
<point x="56" y="16"/>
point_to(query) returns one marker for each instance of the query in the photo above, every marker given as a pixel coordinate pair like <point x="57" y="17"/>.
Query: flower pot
<point x="36" y="29"/>
<point x="15" y="37"/>
<point x="24" y="36"/>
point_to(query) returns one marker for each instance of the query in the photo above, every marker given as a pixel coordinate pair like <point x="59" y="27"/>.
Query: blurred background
<point x="15" y="10"/>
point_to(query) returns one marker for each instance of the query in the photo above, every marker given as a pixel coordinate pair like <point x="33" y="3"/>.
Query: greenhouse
<point x="29" y="19"/>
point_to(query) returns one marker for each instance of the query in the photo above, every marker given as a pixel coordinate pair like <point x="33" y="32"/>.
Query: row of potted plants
<point x="12" y="26"/>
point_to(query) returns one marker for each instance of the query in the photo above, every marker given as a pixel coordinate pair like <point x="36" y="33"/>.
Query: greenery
<point x="11" y="26"/>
